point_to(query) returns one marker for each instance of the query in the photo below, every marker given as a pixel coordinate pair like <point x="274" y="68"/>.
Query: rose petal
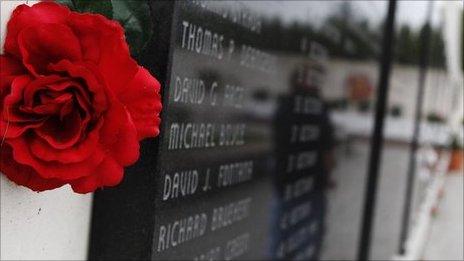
<point x="24" y="175"/>
<point x="93" y="83"/>
<point x="42" y="45"/>
<point x="39" y="84"/>
<point x="119" y="136"/>
<point x="23" y="155"/>
<point x="50" y="105"/>
<point x="13" y="123"/>
<point x="77" y="153"/>
<point x="143" y="101"/>
<point x="15" y="96"/>
<point x="25" y="16"/>
<point x="58" y="98"/>
<point x="103" y="42"/>
<point x="108" y="173"/>
<point x="10" y="68"/>
<point x="13" y="130"/>
<point x="62" y="134"/>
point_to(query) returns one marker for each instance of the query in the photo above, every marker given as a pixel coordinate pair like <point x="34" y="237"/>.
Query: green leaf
<point x="68" y="3"/>
<point x="134" y="16"/>
<point x="103" y="7"/>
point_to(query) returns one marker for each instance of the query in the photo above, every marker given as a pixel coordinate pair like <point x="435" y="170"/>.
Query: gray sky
<point x="409" y="12"/>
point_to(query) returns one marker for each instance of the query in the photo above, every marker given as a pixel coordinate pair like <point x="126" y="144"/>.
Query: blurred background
<point x="426" y="87"/>
<point x="419" y="212"/>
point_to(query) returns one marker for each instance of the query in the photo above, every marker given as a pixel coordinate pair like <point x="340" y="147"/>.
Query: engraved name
<point x="301" y="161"/>
<point x="188" y="135"/>
<point x="181" y="231"/>
<point x="195" y="91"/>
<point x="235" y="173"/>
<point x="295" y="215"/>
<point x="237" y="247"/>
<point x="304" y="133"/>
<point x="201" y="40"/>
<point x="306" y="105"/>
<point x="299" y="188"/>
<point x="224" y="216"/>
<point x="180" y="184"/>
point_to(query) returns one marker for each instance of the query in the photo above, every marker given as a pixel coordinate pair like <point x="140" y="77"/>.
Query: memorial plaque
<point x="241" y="169"/>
<point x="214" y="184"/>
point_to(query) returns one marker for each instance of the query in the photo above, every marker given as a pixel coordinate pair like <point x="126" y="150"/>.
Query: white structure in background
<point x="453" y="47"/>
<point x="452" y="16"/>
<point x="51" y="225"/>
<point x="444" y="90"/>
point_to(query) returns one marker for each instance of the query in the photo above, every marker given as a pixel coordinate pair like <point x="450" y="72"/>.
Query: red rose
<point x="73" y="103"/>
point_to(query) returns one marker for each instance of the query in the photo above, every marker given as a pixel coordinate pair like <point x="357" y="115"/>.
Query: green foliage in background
<point x="396" y="111"/>
<point x="408" y="45"/>
<point x="350" y="36"/>
<point x="102" y="7"/>
<point x="341" y="35"/>
<point x="133" y="15"/>
<point x="434" y="117"/>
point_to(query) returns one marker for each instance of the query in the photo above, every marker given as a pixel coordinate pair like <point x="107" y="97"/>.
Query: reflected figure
<point x="304" y="145"/>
